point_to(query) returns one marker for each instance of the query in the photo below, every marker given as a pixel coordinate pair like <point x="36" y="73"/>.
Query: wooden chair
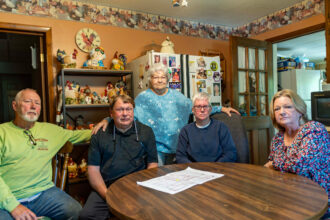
<point x="238" y="132"/>
<point x="60" y="165"/>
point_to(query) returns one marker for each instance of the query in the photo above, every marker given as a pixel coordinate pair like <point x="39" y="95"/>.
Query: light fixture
<point x="176" y="3"/>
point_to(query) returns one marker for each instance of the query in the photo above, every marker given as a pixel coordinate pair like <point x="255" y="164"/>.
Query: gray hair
<point x="158" y="67"/>
<point x="19" y="94"/>
<point x="203" y="96"/>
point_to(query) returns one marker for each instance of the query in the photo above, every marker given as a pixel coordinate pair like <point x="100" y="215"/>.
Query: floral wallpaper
<point x="77" y="11"/>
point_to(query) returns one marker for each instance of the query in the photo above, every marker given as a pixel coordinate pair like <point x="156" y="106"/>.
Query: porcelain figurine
<point x="116" y="63"/>
<point x="72" y="169"/>
<point x="97" y="56"/>
<point x="67" y="61"/>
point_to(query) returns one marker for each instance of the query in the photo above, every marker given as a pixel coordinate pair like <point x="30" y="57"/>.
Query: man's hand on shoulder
<point x="23" y="213"/>
<point x="102" y="124"/>
<point x="229" y="110"/>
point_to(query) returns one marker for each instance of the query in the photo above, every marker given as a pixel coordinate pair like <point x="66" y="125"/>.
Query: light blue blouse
<point x="166" y="115"/>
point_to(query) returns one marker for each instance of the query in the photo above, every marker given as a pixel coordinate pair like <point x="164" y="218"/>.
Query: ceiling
<point x="232" y="13"/>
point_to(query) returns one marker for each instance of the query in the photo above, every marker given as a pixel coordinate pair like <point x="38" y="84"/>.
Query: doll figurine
<point x="70" y="94"/>
<point x="97" y="56"/>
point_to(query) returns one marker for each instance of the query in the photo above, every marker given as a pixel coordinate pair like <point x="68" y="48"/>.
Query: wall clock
<point x="87" y="38"/>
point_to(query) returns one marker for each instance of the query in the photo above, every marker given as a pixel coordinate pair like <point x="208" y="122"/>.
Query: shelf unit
<point x="78" y="187"/>
<point x="125" y="75"/>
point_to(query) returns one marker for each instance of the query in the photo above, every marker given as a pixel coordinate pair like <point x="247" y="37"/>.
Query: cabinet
<point x="92" y="113"/>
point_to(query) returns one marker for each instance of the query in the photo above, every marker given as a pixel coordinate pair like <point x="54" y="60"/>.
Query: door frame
<point x="301" y="32"/>
<point x="49" y="82"/>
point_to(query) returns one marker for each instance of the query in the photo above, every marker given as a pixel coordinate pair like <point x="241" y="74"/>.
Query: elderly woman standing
<point x="300" y="146"/>
<point x="165" y="110"/>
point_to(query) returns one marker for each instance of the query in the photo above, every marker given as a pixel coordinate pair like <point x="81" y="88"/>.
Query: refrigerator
<point x="188" y="74"/>
<point x="303" y="82"/>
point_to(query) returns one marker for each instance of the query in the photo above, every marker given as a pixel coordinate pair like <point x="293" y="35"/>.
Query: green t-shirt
<point x="26" y="169"/>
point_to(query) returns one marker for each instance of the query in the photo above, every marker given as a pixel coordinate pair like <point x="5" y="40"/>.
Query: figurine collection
<point x="75" y="94"/>
<point x="95" y="59"/>
<point x="75" y="170"/>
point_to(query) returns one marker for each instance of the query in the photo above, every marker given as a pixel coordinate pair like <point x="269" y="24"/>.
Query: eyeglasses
<point x="200" y="107"/>
<point x="121" y="110"/>
<point x="159" y="77"/>
<point x="31" y="138"/>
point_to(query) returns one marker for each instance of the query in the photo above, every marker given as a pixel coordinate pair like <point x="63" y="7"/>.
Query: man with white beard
<point x="26" y="151"/>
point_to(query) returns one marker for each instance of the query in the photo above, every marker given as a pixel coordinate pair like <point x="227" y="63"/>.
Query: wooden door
<point x="20" y="67"/>
<point x="26" y="53"/>
<point x="252" y="83"/>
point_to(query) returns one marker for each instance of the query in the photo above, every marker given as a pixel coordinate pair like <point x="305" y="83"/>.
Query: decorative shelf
<point x="95" y="72"/>
<point x="87" y="105"/>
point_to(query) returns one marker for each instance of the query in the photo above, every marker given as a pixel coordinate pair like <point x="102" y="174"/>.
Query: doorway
<point x="26" y="62"/>
<point x="19" y="69"/>
<point x="301" y="65"/>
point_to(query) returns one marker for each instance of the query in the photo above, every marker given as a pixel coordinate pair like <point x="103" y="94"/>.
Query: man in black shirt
<point x="125" y="147"/>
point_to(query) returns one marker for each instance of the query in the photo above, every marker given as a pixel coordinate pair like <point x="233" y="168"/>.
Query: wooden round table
<point x="244" y="192"/>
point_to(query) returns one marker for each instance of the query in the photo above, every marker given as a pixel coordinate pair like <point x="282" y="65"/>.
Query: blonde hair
<point x="124" y="98"/>
<point x="298" y="103"/>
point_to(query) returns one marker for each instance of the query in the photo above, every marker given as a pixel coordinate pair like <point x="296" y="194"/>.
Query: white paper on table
<point x="181" y="180"/>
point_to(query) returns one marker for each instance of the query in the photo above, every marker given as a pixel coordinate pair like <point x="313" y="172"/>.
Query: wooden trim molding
<point x="49" y="76"/>
<point x="300" y="32"/>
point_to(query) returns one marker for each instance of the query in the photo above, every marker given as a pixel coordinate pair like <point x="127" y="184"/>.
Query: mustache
<point x="33" y="112"/>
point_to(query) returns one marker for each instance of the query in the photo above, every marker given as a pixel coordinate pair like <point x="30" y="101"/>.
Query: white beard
<point x="28" y="118"/>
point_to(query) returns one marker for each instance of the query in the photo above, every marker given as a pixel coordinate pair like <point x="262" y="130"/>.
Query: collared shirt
<point x="119" y="154"/>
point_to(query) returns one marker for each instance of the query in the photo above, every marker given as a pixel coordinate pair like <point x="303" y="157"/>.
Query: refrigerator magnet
<point x="201" y="62"/>
<point x="209" y="73"/>
<point x="201" y="74"/>
<point x="216" y="77"/>
<point x="214" y="66"/>
<point x="172" y="61"/>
